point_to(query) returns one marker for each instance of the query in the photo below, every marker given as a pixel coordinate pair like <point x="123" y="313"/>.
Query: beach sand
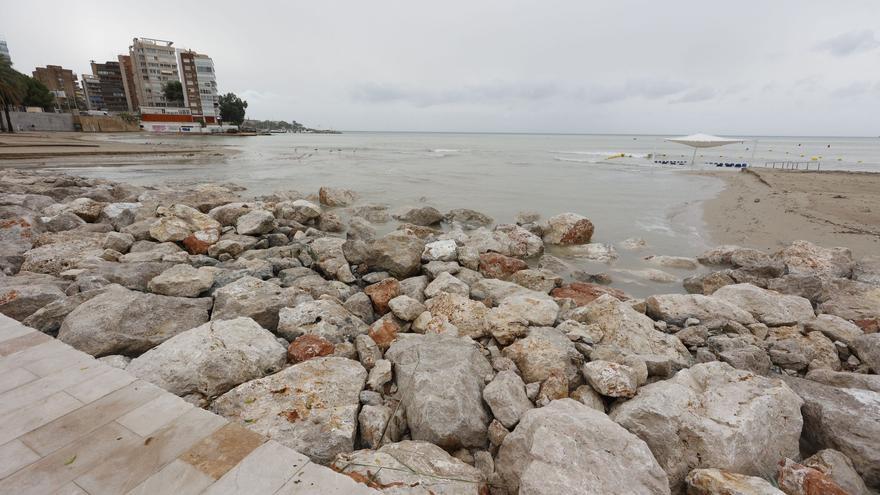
<point x="767" y="208"/>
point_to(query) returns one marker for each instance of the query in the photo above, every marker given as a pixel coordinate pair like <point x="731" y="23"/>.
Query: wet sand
<point x="766" y="208"/>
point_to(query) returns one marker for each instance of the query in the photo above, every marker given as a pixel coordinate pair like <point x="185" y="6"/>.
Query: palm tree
<point x="11" y="91"/>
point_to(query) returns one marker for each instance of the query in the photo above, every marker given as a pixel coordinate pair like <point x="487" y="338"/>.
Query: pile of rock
<point x="451" y="356"/>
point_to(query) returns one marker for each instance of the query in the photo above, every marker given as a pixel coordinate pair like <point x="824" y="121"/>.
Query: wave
<point x="447" y="150"/>
<point x="606" y="154"/>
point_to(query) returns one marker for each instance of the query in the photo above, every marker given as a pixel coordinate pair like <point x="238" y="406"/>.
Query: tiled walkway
<point x="70" y="424"/>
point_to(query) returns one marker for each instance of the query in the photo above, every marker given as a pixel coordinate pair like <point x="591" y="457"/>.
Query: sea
<point x="615" y="180"/>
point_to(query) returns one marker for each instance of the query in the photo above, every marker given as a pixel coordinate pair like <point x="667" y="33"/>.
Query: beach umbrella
<point x="702" y="141"/>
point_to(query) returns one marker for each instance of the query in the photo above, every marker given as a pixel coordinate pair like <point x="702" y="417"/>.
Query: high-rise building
<point x="153" y="65"/>
<point x="94" y="97"/>
<point x="109" y="76"/>
<point x="62" y="83"/>
<point x="4" y="50"/>
<point x="200" y="86"/>
<point x="127" y="72"/>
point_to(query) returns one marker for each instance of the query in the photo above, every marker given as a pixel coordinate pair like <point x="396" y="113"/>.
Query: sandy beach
<point x="767" y="208"/>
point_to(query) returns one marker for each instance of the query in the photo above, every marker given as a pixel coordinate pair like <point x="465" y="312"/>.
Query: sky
<point x="751" y="67"/>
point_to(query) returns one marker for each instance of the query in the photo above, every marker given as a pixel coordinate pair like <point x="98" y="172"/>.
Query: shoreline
<point x="767" y="209"/>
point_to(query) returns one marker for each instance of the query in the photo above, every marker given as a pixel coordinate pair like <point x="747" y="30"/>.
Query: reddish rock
<point x="869" y="326"/>
<point x="495" y="265"/>
<point x="797" y="479"/>
<point x="384" y="332"/>
<point x="195" y="244"/>
<point x="568" y="228"/>
<point x="308" y="346"/>
<point x="382" y="292"/>
<point x="584" y="293"/>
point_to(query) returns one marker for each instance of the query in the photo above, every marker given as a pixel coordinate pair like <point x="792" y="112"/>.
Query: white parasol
<point x="702" y="141"/>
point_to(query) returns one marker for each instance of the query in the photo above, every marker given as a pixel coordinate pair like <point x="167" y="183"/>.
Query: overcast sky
<point x="799" y="67"/>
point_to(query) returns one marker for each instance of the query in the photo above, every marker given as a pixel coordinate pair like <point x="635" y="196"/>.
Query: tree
<point x="173" y="92"/>
<point x="36" y="94"/>
<point x="232" y="108"/>
<point x="11" y="91"/>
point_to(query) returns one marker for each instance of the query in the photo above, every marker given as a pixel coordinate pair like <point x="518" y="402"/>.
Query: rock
<point x="406" y="308"/>
<point x="445" y="250"/>
<point x="229" y="213"/>
<point x="714" y="415"/>
<point x="57" y="257"/>
<point x="535" y="308"/>
<point x="835" y="328"/>
<point x="412" y="467"/>
<point x="380" y="374"/>
<point x="307" y="347"/>
<point x="121" y="321"/>
<point x="749" y="358"/>
<point x="398" y="253"/>
<point x="544" y="350"/>
<point x="210" y="359"/>
<point x="851" y="300"/>
<point x="867" y="348"/>
<point x="86" y="208"/>
<point x="377" y="426"/>
<point x="652" y="274"/>
<point x="118" y="241"/>
<point x="539" y="280"/>
<point x="867" y="270"/>
<point x="469" y="218"/>
<point x="568" y="228"/>
<point x="325" y="318"/>
<point x="441" y="382"/>
<point x="797" y="479"/>
<point x="116" y="361"/>
<point x="720" y="482"/>
<point x="583" y="293"/>
<point x="842" y="379"/>
<point x="48" y="319"/>
<point x="331" y="196"/>
<point x="178" y="222"/>
<point x="554" y="387"/>
<point x="707" y="283"/>
<point x="494" y="265"/>
<point x="360" y="305"/>
<point x="677" y="262"/>
<point x="424" y="216"/>
<point x="254" y="298"/>
<point x="840" y="469"/>
<point x="506" y="239"/>
<point x="601" y="253"/>
<point x="329" y="256"/>
<point x="119" y="215"/>
<point x="622" y="326"/>
<point x="567" y="447"/>
<point x="788" y="348"/>
<point x="611" y="379"/>
<point x="803" y="257"/>
<point x="446" y="283"/>
<point x="467" y="315"/>
<point x="675" y="309"/>
<point x="844" y="419"/>
<point x="588" y="397"/>
<point x="310" y="407"/>
<point x="506" y="397"/>
<point x="768" y="307"/>
<point x="384" y="332"/>
<point x="231" y="245"/>
<point x="135" y="276"/>
<point x="301" y="211"/>
<point x="381" y="293"/>
<point x="182" y="280"/>
<point x="256" y="222"/>
<point x="359" y="228"/>
<point x="21" y="300"/>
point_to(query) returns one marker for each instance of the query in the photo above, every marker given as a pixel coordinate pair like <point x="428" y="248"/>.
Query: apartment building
<point x="94" y="97"/>
<point x="63" y="84"/>
<point x="128" y="85"/>
<point x="200" y="86"/>
<point x="112" y="88"/>
<point x="153" y="65"/>
<point x="4" y="50"/>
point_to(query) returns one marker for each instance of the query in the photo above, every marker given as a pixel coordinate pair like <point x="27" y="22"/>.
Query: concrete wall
<point x="45" y="121"/>
<point x="90" y="123"/>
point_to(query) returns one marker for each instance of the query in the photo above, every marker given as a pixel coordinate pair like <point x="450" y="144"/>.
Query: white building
<point x="4" y="50"/>
<point x="200" y="86"/>
<point x="154" y="64"/>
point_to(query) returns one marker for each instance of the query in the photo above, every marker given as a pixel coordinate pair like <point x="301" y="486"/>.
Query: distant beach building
<point x="111" y="87"/>
<point x="200" y="86"/>
<point x="128" y="85"/>
<point x="91" y="85"/>
<point x="153" y="65"/>
<point x="4" y="50"/>
<point x="63" y="84"/>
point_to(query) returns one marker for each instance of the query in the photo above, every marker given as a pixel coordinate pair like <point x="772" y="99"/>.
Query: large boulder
<point x="182" y="280"/>
<point x="840" y="469"/>
<point x="441" y="380"/>
<point x="257" y="222"/>
<point x="769" y="307"/>
<point x="506" y="396"/>
<point x="675" y="309"/>
<point x="840" y="379"/>
<point x="713" y="415"/>
<point x="331" y="196"/>
<point x="330" y="258"/>
<point x="719" y="482"/>
<point x="207" y="361"/>
<point x="791" y="349"/>
<point x="121" y="321"/>
<point x="134" y="276"/>
<point x="177" y="222"/>
<point x="48" y="319"/>
<point x="506" y="239"/>
<point x="851" y="300"/>
<point x="424" y="216"/>
<point x="568" y="228"/>
<point x="624" y="327"/>
<point x="844" y="419"/>
<point x="68" y="252"/>
<point x="804" y="257"/>
<point x="867" y="348"/>
<point x="545" y="351"/>
<point x="310" y="407"/>
<point x="469" y="316"/>
<point x="397" y="253"/>
<point x="20" y="300"/>
<point x="254" y="298"/>
<point x="412" y="467"/>
<point x="325" y="318"/>
<point x="567" y="447"/>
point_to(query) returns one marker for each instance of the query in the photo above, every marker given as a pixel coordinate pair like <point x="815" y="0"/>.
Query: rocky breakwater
<point x="454" y="356"/>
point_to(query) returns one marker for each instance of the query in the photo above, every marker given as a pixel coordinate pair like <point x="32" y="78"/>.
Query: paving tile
<point x="132" y="466"/>
<point x="68" y="358"/>
<point x="315" y="478"/>
<point x="94" y="388"/>
<point x="81" y="422"/>
<point x="15" y="344"/>
<point x="38" y="390"/>
<point x="20" y="421"/>
<point x="155" y="414"/>
<point x="25" y="356"/>
<point x="15" y="378"/>
<point x="15" y="455"/>
<point x="63" y="466"/>
<point x="178" y="478"/>
<point x="70" y="489"/>
<point x="262" y="472"/>
<point x="10" y="329"/>
<point x="223" y="449"/>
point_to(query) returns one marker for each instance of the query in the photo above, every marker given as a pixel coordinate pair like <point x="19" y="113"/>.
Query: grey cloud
<point x="426" y="97"/>
<point x="856" y="89"/>
<point x="651" y="89"/>
<point x="850" y="43"/>
<point x="696" y="95"/>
